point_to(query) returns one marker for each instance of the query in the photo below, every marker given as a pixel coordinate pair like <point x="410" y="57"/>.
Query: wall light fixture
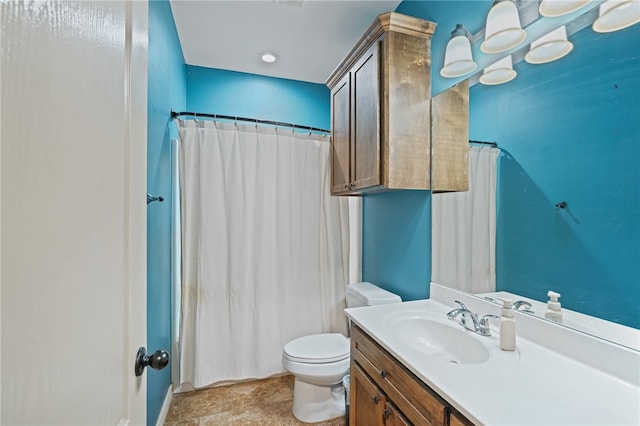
<point x="503" y="30"/>
<point x="499" y="72"/>
<point x="458" y="60"/>
<point x="503" y="35"/>
<point x="549" y="47"/>
<point x="553" y="8"/>
<point x="615" y="15"/>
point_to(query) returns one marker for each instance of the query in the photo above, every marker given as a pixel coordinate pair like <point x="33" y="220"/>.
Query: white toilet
<point x="320" y="361"/>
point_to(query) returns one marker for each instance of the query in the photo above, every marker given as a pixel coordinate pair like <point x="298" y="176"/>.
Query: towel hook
<point x="151" y="198"/>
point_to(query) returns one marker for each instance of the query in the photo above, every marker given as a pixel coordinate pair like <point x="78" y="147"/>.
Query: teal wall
<point x="570" y="131"/>
<point x="239" y="94"/>
<point x="166" y="91"/>
<point x="396" y="246"/>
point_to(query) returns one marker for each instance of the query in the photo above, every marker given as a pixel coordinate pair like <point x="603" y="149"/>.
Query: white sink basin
<point x="432" y="334"/>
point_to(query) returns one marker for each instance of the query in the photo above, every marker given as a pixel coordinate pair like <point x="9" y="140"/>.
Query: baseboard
<point x="165" y="407"/>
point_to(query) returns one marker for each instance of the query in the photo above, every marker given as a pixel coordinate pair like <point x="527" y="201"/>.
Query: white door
<point x="73" y="211"/>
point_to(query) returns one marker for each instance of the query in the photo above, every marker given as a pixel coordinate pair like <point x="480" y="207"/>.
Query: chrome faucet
<point x="518" y="304"/>
<point x="454" y="313"/>
<point x="480" y="326"/>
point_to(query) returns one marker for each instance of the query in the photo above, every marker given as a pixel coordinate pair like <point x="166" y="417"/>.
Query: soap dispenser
<point x="554" y="310"/>
<point x="507" y="326"/>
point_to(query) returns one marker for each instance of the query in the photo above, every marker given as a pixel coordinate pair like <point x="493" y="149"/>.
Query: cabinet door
<point x="456" y="419"/>
<point x="367" y="401"/>
<point x="341" y="135"/>
<point x="365" y="112"/>
<point x="394" y="417"/>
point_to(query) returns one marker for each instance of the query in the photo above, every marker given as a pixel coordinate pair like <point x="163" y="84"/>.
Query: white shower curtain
<point x="464" y="228"/>
<point x="265" y="248"/>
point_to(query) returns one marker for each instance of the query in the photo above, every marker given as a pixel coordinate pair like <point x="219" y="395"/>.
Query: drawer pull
<point x="376" y="400"/>
<point x="383" y="374"/>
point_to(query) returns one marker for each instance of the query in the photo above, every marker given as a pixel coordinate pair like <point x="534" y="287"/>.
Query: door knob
<point x="157" y="360"/>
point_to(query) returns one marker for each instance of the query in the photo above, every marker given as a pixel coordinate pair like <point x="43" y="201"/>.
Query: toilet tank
<point x="367" y="294"/>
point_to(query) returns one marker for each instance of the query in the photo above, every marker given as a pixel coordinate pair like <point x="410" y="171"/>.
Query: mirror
<point x="608" y="330"/>
<point x="568" y="185"/>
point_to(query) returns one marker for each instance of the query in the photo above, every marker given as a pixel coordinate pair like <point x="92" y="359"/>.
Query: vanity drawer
<point x="412" y="397"/>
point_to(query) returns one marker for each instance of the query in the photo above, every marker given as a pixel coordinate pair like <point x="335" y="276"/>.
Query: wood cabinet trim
<point x="457" y="419"/>
<point x="390" y="21"/>
<point x="394" y="416"/>
<point x="340" y="134"/>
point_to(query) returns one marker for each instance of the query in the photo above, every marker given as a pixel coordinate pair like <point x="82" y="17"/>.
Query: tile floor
<point x="263" y="402"/>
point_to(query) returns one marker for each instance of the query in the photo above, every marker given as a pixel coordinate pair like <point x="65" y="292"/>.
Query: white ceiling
<point x="309" y="37"/>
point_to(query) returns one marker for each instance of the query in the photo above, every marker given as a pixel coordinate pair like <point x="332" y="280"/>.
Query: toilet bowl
<point x="320" y="361"/>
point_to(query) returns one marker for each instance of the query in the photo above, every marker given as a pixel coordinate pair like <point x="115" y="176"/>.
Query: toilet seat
<point x="318" y="348"/>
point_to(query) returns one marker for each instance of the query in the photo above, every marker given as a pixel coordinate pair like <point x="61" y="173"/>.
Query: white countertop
<point x="534" y="385"/>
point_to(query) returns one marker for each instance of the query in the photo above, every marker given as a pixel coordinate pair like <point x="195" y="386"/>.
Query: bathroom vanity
<point x="384" y="392"/>
<point x="411" y="365"/>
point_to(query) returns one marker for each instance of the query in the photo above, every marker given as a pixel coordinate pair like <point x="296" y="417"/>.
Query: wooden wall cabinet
<point x="381" y="113"/>
<point x="384" y="392"/>
<point x="380" y="108"/>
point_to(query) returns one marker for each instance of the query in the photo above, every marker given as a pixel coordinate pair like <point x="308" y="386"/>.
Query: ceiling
<point x="308" y="37"/>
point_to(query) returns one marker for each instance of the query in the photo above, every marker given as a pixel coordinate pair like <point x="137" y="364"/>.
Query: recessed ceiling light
<point x="269" y="57"/>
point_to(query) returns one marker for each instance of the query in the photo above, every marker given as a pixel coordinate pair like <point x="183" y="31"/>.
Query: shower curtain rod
<point x="493" y="144"/>
<point x="249" y="120"/>
<point x="175" y="115"/>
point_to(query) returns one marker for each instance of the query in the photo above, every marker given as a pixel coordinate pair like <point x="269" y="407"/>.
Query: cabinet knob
<point x="387" y="413"/>
<point x="383" y="374"/>
<point x="376" y="400"/>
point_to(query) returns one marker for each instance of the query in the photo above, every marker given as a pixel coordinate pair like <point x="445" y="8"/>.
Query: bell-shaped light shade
<point x="617" y="14"/>
<point x="553" y="8"/>
<point x="549" y="47"/>
<point x="457" y="58"/>
<point x="499" y="72"/>
<point x="503" y="30"/>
